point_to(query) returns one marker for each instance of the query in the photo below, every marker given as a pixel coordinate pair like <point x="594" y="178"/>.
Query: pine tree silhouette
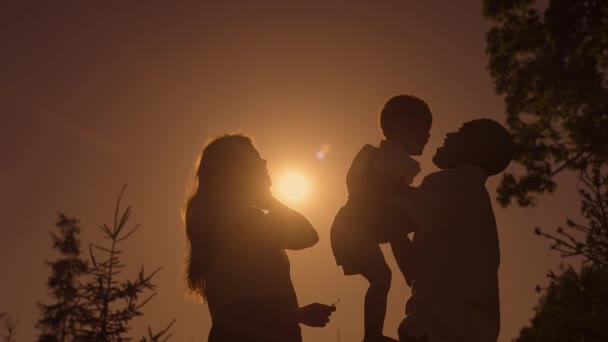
<point x="111" y="303"/>
<point x="9" y="327"/>
<point x="91" y="299"/>
<point x="59" y="321"/>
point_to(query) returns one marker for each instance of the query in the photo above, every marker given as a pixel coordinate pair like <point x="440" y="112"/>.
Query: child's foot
<point x="380" y="339"/>
<point x="422" y="338"/>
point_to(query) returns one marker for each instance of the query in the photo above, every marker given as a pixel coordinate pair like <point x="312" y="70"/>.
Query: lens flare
<point x="323" y="151"/>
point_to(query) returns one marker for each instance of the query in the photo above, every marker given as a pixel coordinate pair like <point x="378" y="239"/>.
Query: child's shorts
<point x="354" y="248"/>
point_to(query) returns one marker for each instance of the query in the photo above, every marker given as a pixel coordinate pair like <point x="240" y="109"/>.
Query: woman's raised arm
<point x="289" y="229"/>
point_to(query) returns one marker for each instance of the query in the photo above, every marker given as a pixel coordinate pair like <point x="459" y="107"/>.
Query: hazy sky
<point x="93" y="96"/>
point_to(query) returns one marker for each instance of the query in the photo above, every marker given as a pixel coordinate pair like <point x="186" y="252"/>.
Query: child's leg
<point x="378" y="274"/>
<point x="402" y="250"/>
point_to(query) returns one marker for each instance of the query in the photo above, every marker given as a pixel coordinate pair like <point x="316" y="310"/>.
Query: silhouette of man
<point x="456" y="252"/>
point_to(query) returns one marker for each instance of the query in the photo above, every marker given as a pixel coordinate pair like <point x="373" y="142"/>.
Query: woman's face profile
<point x="233" y="169"/>
<point x="254" y="172"/>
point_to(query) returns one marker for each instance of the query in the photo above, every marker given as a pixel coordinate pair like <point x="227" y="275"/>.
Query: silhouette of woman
<point x="237" y="233"/>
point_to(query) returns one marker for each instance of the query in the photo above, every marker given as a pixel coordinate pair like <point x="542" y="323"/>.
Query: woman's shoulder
<point x="222" y="218"/>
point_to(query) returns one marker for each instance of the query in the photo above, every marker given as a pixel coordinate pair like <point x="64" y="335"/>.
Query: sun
<point x="293" y="186"/>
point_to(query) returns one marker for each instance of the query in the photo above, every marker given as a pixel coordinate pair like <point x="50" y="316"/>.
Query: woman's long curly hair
<point x="220" y="162"/>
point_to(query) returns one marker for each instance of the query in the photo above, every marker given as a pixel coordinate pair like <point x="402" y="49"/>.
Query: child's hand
<point x="315" y="314"/>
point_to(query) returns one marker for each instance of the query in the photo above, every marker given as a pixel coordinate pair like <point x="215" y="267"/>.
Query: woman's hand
<point x="315" y="314"/>
<point x="266" y="201"/>
<point x="288" y="228"/>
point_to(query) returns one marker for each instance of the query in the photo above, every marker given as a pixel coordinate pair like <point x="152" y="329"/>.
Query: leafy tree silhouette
<point x="593" y="246"/>
<point x="552" y="70"/>
<point x="572" y="308"/>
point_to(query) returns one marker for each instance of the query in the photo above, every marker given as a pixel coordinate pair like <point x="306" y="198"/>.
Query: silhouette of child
<point x="455" y="246"/>
<point x="377" y="175"/>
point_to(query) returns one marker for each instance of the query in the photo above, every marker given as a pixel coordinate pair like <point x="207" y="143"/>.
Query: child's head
<point x="482" y="142"/>
<point x="407" y="120"/>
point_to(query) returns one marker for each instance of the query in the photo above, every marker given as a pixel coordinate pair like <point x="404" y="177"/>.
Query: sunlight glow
<point x="293" y="186"/>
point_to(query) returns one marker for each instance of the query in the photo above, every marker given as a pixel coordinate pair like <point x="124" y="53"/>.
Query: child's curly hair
<point x="404" y="110"/>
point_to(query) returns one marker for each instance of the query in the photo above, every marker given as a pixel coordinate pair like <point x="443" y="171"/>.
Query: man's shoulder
<point x="467" y="171"/>
<point x="439" y="176"/>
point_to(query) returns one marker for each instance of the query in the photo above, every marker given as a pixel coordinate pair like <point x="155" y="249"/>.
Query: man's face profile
<point x="449" y="155"/>
<point x="482" y="142"/>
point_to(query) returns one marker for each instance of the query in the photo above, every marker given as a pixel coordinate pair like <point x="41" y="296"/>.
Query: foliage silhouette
<point x="552" y="69"/>
<point x="60" y="320"/>
<point x="9" y="327"/>
<point x="593" y="246"/>
<point x="572" y="308"/>
<point x="91" y="301"/>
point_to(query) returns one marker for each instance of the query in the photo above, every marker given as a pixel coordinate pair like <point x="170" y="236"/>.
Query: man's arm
<point x="424" y="205"/>
<point x="402" y="249"/>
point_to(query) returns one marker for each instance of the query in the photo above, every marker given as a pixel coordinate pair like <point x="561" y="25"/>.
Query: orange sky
<point x="93" y="96"/>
